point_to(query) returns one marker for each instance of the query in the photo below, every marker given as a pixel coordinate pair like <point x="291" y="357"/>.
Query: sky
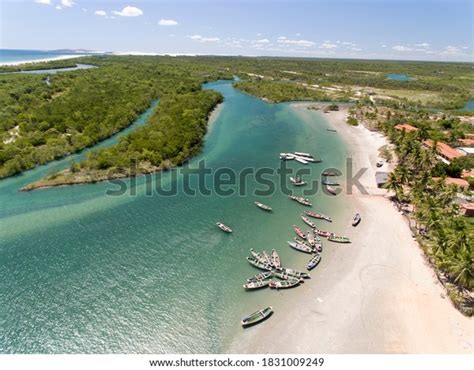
<point x="374" y="29"/>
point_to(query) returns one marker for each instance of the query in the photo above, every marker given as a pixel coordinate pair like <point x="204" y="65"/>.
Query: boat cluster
<point x="274" y="275"/>
<point x="301" y="157"/>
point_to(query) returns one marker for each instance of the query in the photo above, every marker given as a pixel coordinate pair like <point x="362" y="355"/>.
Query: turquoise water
<point x="398" y="77"/>
<point x="13" y="55"/>
<point x="84" y="272"/>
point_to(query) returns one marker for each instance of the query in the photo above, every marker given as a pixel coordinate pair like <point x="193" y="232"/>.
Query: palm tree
<point x="394" y="185"/>
<point x="460" y="268"/>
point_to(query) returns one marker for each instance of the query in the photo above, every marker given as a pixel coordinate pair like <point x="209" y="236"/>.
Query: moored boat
<point x="280" y="274"/>
<point x="257" y="317"/>
<point x="261" y="276"/>
<point x="338" y="239"/>
<point x="302" y="154"/>
<point x="301" y="160"/>
<point x="356" y="219"/>
<point x="330" y="183"/>
<point x="301" y="200"/>
<point x="318" y="215"/>
<point x="223" y="227"/>
<point x="331" y="190"/>
<point x="263" y="206"/>
<point x="329" y="173"/>
<point x="258" y="264"/>
<point x="310" y="238"/>
<point x="301" y="247"/>
<point x="258" y="256"/>
<point x="298" y="181"/>
<point x="257" y="284"/>
<point x="284" y="284"/>
<point x="299" y="232"/>
<point x="313" y="262"/>
<point x="295" y="273"/>
<point x="275" y="259"/>
<point x="322" y="233"/>
<point x="268" y="259"/>
<point x="308" y="222"/>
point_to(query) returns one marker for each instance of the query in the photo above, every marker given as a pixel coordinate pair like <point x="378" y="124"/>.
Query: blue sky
<point x="389" y="29"/>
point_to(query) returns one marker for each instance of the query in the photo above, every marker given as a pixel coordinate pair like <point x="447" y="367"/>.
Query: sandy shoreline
<point x="60" y="57"/>
<point x="376" y="295"/>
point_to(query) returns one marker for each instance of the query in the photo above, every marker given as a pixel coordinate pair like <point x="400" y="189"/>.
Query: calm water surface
<point x="84" y="272"/>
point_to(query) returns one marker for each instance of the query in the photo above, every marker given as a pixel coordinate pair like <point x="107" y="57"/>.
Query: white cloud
<point x="401" y="48"/>
<point x="129" y="11"/>
<point x="84" y="10"/>
<point x="204" y="39"/>
<point x="167" y="22"/>
<point x="328" y="45"/>
<point x="262" y="41"/>
<point x="58" y="7"/>
<point x="452" y="50"/>
<point x="102" y="13"/>
<point x="383" y="45"/>
<point x="300" y="43"/>
<point x="347" y="43"/>
<point x="45" y="2"/>
<point x="67" y="3"/>
<point x="423" y="45"/>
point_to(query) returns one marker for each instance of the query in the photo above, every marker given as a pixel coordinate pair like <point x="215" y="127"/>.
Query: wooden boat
<point x="322" y="233"/>
<point x="299" y="232"/>
<point x="280" y="274"/>
<point x="223" y="227"/>
<point x="356" y="219"/>
<point x="268" y="259"/>
<point x="301" y="200"/>
<point x="295" y="273"/>
<point x="263" y="206"/>
<point x="338" y="239"/>
<point x="318" y="247"/>
<point x="313" y="262"/>
<point x="259" y="265"/>
<point x="306" y="159"/>
<point x="287" y="156"/>
<point x="331" y="190"/>
<point x="329" y="173"/>
<point x="258" y="256"/>
<point x="257" y="317"/>
<point x="297" y="181"/>
<point x="302" y="154"/>
<point x="261" y="276"/>
<point x="257" y="284"/>
<point x="284" y="284"/>
<point x="310" y="238"/>
<point x="318" y="215"/>
<point x="275" y="259"/>
<point x="308" y="222"/>
<point x="301" y="247"/>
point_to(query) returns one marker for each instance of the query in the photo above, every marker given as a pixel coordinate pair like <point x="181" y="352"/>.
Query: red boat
<point x="322" y="233"/>
<point x="299" y="232"/>
<point x="318" y="215"/>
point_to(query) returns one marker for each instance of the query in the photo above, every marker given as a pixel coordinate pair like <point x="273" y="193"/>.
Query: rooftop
<point x="444" y="149"/>
<point x="406" y="127"/>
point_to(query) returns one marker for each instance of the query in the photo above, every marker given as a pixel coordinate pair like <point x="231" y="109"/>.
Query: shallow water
<point x="84" y="272"/>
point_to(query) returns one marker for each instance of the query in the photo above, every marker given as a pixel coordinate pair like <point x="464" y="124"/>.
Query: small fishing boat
<point x="275" y="259"/>
<point x="298" y="181"/>
<point x="280" y="275"/>
<point x="331" y="190"/>
<point x="256" y="284"/>
<point x="284" y="284"/>
<point x="330" y="183"/>
<point x="295" y="273"/>
<point x="301" y="247"/>
<point x="356" y="219"/>
<point x="338" y="239"/>
<point x="268" y="259"/>
<point x="308" y="222"/>
<point x="318" y="247"/>
<point x="263" y="206"/>
<point x="331" y="129"/>
<point x="299" y="232"/>
<point x="310" y="238"/>
<point x="301" y="160"/>
<point x="287" y="156"/>
<point x="313" y="262"/>
<point x="301" y="200"/>
<point x="261" y="276"/>
<point x="322" y="233"/>
<point x="307" y="159"/>
<point x="318" y="215"/>
<point x="223" y="227"/>
<point x="257" y="317"/>
<point x="259" y="265"/>
<point x="258" y="256"/>
<point x="329" y="173"/>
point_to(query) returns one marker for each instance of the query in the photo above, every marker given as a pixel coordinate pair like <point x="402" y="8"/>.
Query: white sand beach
<point x="59" y="57"/>
<point x="376" y="295"/>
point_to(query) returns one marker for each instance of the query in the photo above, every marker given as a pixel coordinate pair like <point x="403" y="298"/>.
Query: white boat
<point x="301" y="160"/>
<point x="302" y="154"/>
<point x="287" y="156"/>
<point x="298" y="181"/>
<point x="223" y="227"/>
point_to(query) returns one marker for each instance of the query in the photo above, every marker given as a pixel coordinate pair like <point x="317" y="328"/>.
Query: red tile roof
<point x="467" y="142"/>
<point x="444" y="149"/>
<point x="468" y="206"/>
<point x="406" y="127"/>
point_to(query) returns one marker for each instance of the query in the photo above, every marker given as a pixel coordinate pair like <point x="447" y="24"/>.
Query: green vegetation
<point x="64" y="63"/>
